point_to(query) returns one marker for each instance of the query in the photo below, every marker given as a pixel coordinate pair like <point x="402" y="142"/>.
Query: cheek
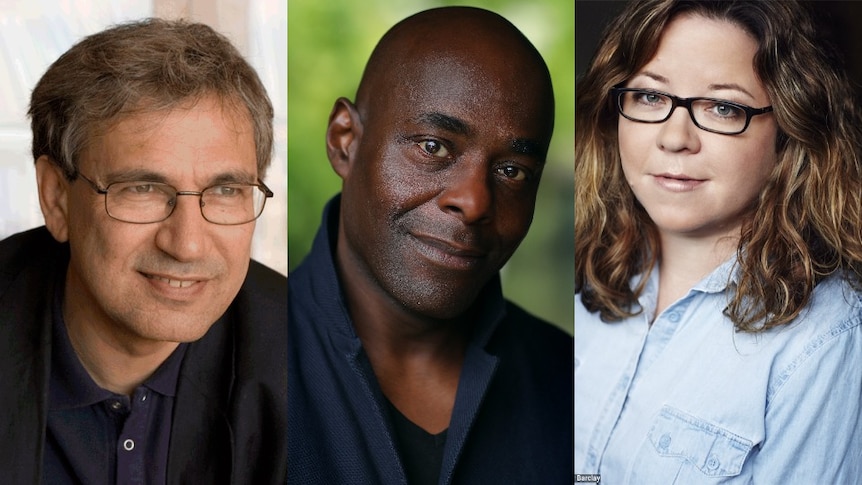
<point x="634" y="143"/>
<point x="514" y="213"/>
<point x="98" y="238"/>
<point x="237" y="247"/>
<point x="397" y="184"/>
<point x="755" y="162"/>
<point x="103" y="258"/>
<point x="753" y="172"/>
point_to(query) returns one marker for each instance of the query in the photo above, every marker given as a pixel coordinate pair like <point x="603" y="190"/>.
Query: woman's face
<point x="694" y="183"/>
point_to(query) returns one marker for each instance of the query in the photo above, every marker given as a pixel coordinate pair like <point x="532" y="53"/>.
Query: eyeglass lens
<point x="710" y="114"/>
<point x="145" y="202"/>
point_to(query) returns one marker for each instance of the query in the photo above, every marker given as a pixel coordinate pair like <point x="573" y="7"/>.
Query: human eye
<point x="513" y="172"/>
<point x="649" y="98"/>
<point x="228" y="191"/>
<point x="139" y="189"/>
<point x="724" y="111"/>
<point x="433" y="148"/>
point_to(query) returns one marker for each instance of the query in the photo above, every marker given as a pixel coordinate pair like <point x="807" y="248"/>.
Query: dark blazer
<point x="230" y="412"/>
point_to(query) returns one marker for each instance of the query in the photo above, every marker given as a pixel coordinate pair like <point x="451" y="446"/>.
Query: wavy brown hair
<point x="144" y="66"/>
<point x="807" y="222"/>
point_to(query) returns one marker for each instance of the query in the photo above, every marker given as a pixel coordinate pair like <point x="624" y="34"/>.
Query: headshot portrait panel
<point x="143" y="262"/>
<point x="718" y="242"/>
<point x="430" y="210"/>
<point x="328" y="47"/>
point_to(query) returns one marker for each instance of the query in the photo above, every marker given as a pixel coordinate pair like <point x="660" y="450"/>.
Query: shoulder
<point x="833" y="317"/>
<point x="536" y="340"/>
<point x="259" y="314"/>
<point x="529" y="324"/>
<point x="264" y="290"/>
<point x="35" y="253"/>
<point x="19" y="250"/>
<point x="834" y="313"/>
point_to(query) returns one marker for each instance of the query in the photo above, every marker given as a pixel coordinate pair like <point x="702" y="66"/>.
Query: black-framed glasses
<point x="709" y="114"/>
<point x="145" y="202"/>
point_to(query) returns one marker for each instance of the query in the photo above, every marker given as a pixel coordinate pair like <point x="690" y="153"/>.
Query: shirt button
<point x="673" y="317"/>
<point x="664" y="441"/>
<point x="116" y="405"/>
<point x="129" y="445"/>
<point x="712" y="463"/>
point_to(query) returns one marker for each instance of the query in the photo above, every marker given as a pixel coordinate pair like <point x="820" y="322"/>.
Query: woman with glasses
<point x="718" y="240"/>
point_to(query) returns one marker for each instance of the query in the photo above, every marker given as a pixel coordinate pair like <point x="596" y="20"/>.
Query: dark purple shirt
<point x="95" y="436"/>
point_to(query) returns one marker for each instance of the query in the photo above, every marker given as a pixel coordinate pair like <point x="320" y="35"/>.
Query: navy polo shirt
<point x="95" y="436"/>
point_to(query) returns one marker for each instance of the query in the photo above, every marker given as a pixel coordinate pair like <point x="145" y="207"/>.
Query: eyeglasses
<point x="709" y="114"/>
<point x="144" y="202"/>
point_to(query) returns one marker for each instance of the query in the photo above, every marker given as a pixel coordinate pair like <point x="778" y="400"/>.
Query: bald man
<point x="405" y="362"/>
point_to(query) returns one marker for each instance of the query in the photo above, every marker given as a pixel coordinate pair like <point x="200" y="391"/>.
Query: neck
<point x="685" y="261"/>
<point x="114" y="358"/>
<point x="386" y="327"/>
<point x="417" y="364"/>
<point x="416" y="359"/>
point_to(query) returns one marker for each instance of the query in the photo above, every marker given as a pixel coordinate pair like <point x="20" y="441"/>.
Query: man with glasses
<point x="140" y="344"/>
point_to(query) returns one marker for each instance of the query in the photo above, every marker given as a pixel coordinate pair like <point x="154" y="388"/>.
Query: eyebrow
<point x="138" y="174"/>
<point x="444" y="122"/>
<point x="528" y="147"/>
<point x="711" y="87"/>
<point x="654" y="77"/>
<point x="523" y="146"/>
<point x="730" y="86"/>
<point x="144" y="175"/>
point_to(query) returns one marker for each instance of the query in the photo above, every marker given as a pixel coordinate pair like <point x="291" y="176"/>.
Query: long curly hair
<point x="807" y="221"/>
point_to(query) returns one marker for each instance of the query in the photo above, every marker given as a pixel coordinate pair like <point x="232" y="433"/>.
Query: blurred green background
<point x="328" y="45"/>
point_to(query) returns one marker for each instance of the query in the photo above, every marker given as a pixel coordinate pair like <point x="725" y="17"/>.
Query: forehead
<point x="476" y="89"/>
<point x="688" y="56"/>
<point x="191" y="137"/>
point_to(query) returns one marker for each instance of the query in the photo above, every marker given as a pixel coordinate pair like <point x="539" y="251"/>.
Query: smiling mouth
<point x="449" y="254"/>
<point x="452" y="248"/>
<point x="678" y="183"/>
<point x="173" y="283"/>
<point x="681" y="178"/>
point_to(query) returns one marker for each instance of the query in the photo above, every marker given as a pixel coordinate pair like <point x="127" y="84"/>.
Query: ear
<point x="53" y="197"/>
<point x="342" y="136"/>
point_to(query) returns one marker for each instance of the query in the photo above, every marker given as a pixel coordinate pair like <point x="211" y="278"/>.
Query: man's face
<point x="444" y="181"/>
<point x="170" y="280"/>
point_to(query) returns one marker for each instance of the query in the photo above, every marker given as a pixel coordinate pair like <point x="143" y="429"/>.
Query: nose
<point x="184" y="235"/>
<point x="679" y="132"/>
<point x="469" y="193"/>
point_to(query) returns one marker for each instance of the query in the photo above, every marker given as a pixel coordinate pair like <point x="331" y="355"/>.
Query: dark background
<point x="837" y="18"/>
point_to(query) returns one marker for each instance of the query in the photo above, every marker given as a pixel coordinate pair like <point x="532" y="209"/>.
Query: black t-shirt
<point x="421" y="452"/>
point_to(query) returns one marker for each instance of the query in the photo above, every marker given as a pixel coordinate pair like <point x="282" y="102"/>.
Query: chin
<point x="439" y="302"/>
<point x="175" y="328"/>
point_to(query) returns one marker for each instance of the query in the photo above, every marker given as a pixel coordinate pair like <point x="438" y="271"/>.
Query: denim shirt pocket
<point x="688" y="450"/>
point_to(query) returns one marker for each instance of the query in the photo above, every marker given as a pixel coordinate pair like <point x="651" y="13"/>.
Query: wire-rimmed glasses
<point x="709" y="114"/>
<point x="145" y="202"/>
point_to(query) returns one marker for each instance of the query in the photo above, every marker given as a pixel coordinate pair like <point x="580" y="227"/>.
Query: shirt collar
<point x="717" y="281"/>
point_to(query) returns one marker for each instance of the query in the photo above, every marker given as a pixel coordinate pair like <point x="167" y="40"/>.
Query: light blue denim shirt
<point x="690" y="401"/>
